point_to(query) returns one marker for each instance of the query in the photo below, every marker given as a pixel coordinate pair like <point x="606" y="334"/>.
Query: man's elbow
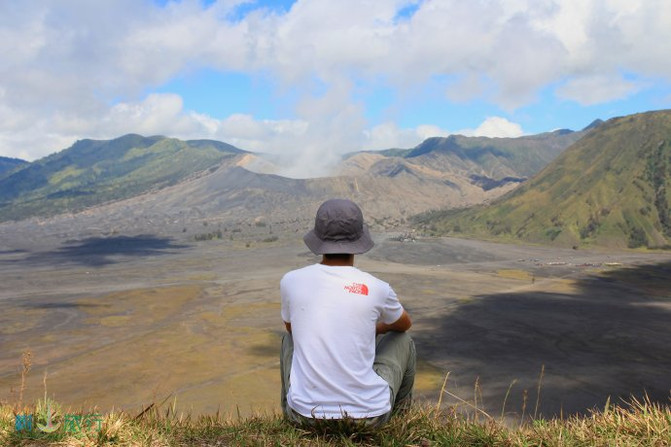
<point x="403" y="323"/>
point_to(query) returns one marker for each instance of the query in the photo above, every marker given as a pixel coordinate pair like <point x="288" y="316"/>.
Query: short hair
<point x="337" y="256"/>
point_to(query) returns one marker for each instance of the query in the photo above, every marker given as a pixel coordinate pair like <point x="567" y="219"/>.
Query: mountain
<point x="609" y="188"/>
<point x="7" y="165"/>
<point x="486" y="162"/>
<point x="494" y="157"/>
<point x="92" y="172"/>
<point x="440" y="172"/>
<point x="235" y="203"/>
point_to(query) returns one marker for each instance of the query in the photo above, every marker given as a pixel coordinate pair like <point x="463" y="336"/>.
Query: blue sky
<point x="313" y="79"/>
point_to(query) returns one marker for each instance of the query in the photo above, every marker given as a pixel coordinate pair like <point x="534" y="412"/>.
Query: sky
<point x="310" y="80"/>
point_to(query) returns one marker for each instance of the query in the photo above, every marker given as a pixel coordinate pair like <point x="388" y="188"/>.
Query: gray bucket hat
<point x="339" y="228"/>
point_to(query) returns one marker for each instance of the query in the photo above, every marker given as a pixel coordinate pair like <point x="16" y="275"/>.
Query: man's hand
<point x="400" y="325"/>
<point x="288" y="326"/>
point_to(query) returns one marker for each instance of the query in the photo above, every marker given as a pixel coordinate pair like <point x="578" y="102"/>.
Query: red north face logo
<point x="361" y="289"/>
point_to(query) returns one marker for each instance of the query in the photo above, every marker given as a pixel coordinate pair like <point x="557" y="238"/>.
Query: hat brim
<point x="357" y="247"/>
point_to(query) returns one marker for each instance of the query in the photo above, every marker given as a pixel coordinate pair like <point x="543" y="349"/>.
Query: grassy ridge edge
<point x="636" y="422"/>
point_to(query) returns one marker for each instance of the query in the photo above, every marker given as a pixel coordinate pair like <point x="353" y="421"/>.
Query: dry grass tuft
<point x="636" y="423"/>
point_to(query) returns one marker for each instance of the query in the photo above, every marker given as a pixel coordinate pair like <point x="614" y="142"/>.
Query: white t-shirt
<point x="333" y="311"/>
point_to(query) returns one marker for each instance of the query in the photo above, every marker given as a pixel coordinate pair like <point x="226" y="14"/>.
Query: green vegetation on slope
<point x="610" y="188"/>
<point x="95" y="171"/>
<point x="499" y="157"/>
<point x="9" y="165"/>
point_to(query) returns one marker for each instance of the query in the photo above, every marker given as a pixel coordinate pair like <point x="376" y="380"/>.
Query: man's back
<point x="332" y="367"/>
<point x="333" y="312"/>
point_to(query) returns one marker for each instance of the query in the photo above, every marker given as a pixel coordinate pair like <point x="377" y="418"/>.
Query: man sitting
<point x="331" y="364"/>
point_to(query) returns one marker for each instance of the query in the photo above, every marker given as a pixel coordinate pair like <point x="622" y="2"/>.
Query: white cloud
<point x="597" y="89"/>
<point x="465" y="88"/>
<point x="496" y="126"/>
<point x="76" y="68"/>
<point x="388" y="135"/>
<point x="272" y="136"/>
<point x="427" y="131"/>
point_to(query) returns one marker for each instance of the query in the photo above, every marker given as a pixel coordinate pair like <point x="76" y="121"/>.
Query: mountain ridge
<point x="93" y="172"/>
<point x="608" y="189"/>
<point x="9" y="165"/>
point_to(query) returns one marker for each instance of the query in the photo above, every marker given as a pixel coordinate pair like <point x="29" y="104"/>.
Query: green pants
<point x="395" y="360"/>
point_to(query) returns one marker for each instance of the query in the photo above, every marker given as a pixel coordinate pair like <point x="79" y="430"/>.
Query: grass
<point x="636" y="423"/>
<point x="47" y="423"/>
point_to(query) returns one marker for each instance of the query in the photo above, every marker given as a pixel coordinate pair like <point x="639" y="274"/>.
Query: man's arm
<point x="400" y="325"/>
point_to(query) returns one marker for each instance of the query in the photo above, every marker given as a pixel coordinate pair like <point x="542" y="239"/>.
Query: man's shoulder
<point x="353" y="273"/>
<point x="372" y="277"/>
<point x="308" y="269"/>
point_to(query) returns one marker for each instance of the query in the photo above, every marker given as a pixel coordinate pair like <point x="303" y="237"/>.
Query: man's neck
<point x="338" y="262"/>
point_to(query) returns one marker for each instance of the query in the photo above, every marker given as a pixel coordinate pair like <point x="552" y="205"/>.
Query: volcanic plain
<point x="124" y="321"/>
